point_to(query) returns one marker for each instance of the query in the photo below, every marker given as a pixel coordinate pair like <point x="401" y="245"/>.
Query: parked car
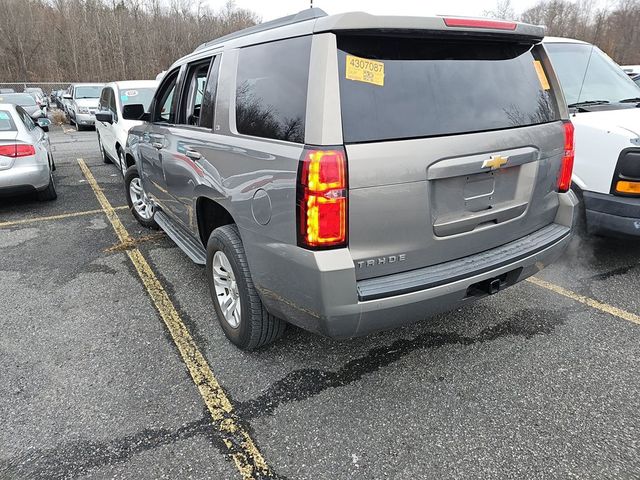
<point x="27" y="102"/>
<point x="6" y="90"/>
<point x="83" y="104"/>
<point x="111" y="128"/>
<point x="348" y="173"/>
<point x="59" y="99"/>
<point x="66" y="99"/>
<point x="603" y="103"/>
<point x="38" y="95"/>
<point x="26" y="163"/>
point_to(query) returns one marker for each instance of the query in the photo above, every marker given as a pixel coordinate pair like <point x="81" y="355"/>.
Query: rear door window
<point x="271" y="89"/>
<point x="398" y="88"/>
<point x="193" y="93"/>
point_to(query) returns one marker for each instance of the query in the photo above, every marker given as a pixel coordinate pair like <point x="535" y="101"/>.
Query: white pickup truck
<point x="603" y="103"/>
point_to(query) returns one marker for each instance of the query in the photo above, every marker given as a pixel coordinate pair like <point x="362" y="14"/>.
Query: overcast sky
<point x="270" y="9"/>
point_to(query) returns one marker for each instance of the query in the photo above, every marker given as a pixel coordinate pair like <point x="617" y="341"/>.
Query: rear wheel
<point x="48" y="193"/>
<point x="238" y="307"/>
<point x="139" y="204"/>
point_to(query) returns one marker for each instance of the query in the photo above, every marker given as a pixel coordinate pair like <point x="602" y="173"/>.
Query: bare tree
<point x="104" y="40"/>
<point x="503" y="10"/>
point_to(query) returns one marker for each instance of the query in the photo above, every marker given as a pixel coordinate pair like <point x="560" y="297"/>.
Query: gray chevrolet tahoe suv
<point x="351" y="173"/>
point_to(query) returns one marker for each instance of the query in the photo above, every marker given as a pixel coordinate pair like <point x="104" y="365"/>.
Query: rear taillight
<point x="322" y="199"/>
<point x="17" y="150"/>
<point x="566" y="169"/>
<point x="479" y="23"/>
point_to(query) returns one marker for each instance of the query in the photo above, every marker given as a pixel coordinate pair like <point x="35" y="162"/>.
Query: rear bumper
<point x="609" y="214"/>
<point x="24" y="178"/>
<point x="318" y="291"/>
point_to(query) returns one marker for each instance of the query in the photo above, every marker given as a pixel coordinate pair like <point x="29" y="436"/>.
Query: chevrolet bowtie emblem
<point x="495" y="162"/>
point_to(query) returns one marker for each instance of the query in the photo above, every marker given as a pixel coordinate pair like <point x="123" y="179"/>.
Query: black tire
<point x="257" y="326"/>
<point x="132" y="173"/>
<point x="105" y="157"/>
<point x="48" y="193"/>
<point x="79" y="127"/>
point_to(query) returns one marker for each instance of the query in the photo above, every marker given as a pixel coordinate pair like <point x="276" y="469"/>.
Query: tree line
<point x="105" y="40"/>
<point x="613" y="26"/>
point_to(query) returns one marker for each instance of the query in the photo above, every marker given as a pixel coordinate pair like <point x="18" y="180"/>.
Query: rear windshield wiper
<point x="587" y="103"/>
<point x="630" y="100"/>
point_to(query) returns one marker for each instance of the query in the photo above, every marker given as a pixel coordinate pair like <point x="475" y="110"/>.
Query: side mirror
<point x="67" y="96"/>
<point x="104" y="116"/>
<point x="43" y="122"/>
<point x="134" y="111"/>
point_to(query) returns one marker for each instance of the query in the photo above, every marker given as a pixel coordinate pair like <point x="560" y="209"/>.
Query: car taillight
<point x="322" y="199"/>
<point x="566" y="169"/>
<point x="479" y="23"/>
<point x="17" y="150"/>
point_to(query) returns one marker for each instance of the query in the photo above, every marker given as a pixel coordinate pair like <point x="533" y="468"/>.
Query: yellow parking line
<point x="55" y="217"/>
<point x="603" y="307"/>
<point x="240" y="446"/>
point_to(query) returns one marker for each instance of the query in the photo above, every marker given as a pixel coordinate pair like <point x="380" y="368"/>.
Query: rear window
<point x="397" y="88"/>
<point x="271" y="89"/>
<point x="6" y="123"/>
<point x="22" y="99"/>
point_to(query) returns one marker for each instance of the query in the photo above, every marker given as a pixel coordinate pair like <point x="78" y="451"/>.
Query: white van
<point x="603" y="102"/>
<point x="112" y="129"/>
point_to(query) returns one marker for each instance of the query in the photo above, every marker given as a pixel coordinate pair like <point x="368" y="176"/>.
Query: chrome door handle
<point x="157" y="145"/>
<point x="193" y="155"/>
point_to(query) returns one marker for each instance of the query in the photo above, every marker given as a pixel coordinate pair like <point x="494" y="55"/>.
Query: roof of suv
<point x="315" y="20"/>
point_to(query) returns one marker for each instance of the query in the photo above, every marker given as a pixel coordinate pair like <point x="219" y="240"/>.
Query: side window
<point x="194" y="90"/>
<point x="26" y="119"/>
<point x="112" y="104"/>
<point x="103" y="103"/>
<point x="271" y="89"/>
<point x="164" y="108"/>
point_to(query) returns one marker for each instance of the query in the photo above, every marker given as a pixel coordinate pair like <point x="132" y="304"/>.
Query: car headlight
<point x="83" y="110"/>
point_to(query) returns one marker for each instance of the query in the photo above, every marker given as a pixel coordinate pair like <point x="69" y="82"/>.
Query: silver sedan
<point x="26" y="164"/>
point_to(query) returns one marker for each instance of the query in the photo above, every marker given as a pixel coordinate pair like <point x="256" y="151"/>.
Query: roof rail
<point x="302" y="16"/>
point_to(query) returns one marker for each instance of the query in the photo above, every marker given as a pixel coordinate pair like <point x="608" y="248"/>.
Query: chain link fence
<point x="47" y="87"/>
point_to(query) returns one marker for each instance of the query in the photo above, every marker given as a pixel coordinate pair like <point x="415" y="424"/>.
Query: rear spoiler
<point x="483" y="27"/>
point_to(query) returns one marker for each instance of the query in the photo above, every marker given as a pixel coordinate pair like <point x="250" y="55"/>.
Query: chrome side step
<point x="194" y="250"/>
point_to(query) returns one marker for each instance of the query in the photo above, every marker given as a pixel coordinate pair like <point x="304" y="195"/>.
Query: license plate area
<point x="483" y="200"/>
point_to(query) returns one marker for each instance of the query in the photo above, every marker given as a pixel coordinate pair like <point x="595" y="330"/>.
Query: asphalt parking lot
<point x="114" y="365"/>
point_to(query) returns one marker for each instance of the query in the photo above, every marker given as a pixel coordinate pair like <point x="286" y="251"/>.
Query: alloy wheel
<point x="226" y="288"/>
<point x="140" y="200"/>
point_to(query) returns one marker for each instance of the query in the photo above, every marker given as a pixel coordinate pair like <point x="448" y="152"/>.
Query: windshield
<point x="588" y="75"/>
<point x="395" y="88"/>
<point x="137" y="95"/>
<point x="22" y="99"/>
<point x="88" y="92"/>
